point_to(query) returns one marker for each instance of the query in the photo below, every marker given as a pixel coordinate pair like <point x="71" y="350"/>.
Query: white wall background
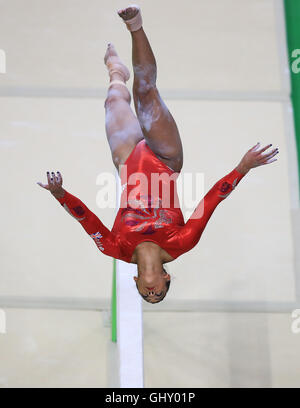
<point x="219" y="69"/>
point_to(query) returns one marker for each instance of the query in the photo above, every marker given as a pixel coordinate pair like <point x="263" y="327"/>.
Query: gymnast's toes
<point x="128" y="13"/>
<point x="110" y="52"/>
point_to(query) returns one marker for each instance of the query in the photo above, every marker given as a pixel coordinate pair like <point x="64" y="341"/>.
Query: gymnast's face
<point x="153" y="288"/>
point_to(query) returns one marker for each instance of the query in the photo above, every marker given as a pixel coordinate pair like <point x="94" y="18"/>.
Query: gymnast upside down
<point x="149" y="234"/>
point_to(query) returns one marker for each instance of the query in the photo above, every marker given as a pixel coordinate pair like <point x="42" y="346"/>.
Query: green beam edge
<point x="114" y="304"/>
<point x="292" y="17"/>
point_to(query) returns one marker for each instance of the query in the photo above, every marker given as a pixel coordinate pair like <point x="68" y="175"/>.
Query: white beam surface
<point x="129" y="325"/>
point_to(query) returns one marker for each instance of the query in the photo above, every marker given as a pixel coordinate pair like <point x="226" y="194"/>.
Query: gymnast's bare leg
<point x="159" y="128"/>
<point x="123" y="129"/>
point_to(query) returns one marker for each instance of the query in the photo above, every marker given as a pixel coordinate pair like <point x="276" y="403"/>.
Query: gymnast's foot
<point x="132" y="17"/>
<point x="116" y="68"/>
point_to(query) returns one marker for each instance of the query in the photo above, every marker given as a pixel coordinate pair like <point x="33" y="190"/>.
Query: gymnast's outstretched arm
<point x="102" y="236"/>
<point x="194" y="227"/>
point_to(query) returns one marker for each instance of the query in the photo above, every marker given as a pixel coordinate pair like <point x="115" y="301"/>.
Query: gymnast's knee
<point x="144" y="92"/>
<point x="144" y="80"/>
<point x="115" y="95"/>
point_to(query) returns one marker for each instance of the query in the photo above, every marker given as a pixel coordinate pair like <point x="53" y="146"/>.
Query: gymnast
<point x="148" y="230"/>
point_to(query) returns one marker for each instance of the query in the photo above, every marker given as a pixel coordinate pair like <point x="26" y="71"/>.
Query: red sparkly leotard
<point x="149" y="209"/>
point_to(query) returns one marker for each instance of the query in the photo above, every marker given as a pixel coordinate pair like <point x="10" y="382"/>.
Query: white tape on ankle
<point x="117" y="82"/>
<point x="135" y="23"/>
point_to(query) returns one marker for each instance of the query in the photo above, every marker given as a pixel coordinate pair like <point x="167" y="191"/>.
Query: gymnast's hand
<point x="256" y="157"/>
<point x="54" y="184"/>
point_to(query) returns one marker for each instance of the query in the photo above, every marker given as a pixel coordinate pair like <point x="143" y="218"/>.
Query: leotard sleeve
<point x="192" y="231"/>
<point x="102" y="236"/>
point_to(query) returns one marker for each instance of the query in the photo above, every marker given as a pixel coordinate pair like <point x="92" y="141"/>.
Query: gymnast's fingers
<point x="51" y="183"/>
<point x="43" y="185"/>
<point x="255" y="147"/>
<point x="53" y="176"/>
<point x="264" y="148"/>
<point x="59" y="178"/>
<point x="269" y="161"/>
<point x="48" y="178"/>
<point x="269" y="155"/>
